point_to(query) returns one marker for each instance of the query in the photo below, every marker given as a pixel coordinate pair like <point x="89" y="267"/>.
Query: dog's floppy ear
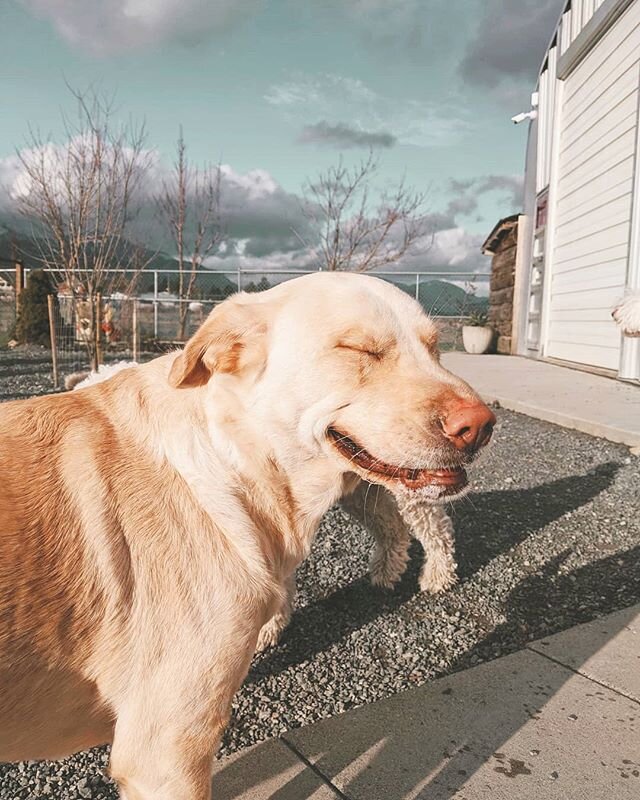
<point x="230" y="340"/>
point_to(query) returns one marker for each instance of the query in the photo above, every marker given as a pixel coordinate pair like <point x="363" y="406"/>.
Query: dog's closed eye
<point x="368" y="349"/>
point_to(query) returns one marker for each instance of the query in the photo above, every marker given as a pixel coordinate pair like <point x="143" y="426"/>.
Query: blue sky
<point x="280" y="90"/>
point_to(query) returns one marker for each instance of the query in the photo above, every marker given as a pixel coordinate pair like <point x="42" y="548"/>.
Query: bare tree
<point x="354" y="232"/>
<point x="81" y="197"/>
<point x="189" y="206"/>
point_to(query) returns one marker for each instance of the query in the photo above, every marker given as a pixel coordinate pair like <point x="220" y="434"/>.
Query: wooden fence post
<point x="52" y="336"/>
<point x="19" y="283"/>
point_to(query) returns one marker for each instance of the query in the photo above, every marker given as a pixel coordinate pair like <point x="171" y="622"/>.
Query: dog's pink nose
<point x="468" y="425"/>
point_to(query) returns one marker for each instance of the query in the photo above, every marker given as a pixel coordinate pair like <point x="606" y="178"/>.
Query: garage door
<point x="596" y="159"/>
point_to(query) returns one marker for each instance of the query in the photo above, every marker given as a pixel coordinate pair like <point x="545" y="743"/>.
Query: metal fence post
<point x="417" y="286"/>
<point x="98" y="331"/>
<point x="134" y="330"/>
<point x="155" y="303"/>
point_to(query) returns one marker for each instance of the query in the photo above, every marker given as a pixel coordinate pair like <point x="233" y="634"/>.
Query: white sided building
<point x="579" y="240"/>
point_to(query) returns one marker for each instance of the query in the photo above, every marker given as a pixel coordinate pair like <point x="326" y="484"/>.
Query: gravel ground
<point x="549" y="538"/>
<point x="25" y="371"/>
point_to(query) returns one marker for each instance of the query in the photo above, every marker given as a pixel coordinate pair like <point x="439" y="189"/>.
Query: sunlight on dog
<point x="151" y="523"/>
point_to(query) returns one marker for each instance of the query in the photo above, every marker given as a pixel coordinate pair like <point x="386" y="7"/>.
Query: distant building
<point x="579" y="239"/>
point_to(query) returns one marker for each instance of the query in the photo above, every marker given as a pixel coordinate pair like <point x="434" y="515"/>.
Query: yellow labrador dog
<point x="149" y="524"/>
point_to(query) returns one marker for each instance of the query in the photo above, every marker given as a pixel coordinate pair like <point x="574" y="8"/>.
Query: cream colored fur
<point x="627" y="314"/>
<point x="150" y="524"/>
<point x="390" y="523"/>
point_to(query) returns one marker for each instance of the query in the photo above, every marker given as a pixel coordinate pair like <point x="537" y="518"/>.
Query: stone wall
<point x="503" y="269"/>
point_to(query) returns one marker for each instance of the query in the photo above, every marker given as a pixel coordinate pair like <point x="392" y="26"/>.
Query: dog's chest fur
<point x="110" y="564"/>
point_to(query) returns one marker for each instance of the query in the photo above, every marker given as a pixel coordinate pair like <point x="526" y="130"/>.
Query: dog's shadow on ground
<point x="490" y="524"/>
<point x="433" y="744"/>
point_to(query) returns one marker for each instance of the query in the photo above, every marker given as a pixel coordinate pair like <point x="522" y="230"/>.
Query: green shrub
<point x="32" y="324"/>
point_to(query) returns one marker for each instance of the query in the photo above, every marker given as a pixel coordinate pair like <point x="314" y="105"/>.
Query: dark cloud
<point x="468" y="192"/>
<point x="438" y="221"/>
<point x="466" y="204"/>
<point x="408" y="29"/>
<point x="509" y="41"/>
<point x="344" y="136"/>
<point x="265" y="227"/>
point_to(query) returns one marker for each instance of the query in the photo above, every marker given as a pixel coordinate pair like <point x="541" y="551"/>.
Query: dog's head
<point x="627" y="315"/>
<point x="345" y="368"/>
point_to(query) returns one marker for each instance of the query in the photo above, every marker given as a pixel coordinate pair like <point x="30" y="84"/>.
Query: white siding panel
<point x="565" y="31"/>
<point x="593" y="354"/>
<point x="599" y="178"/>
<point x="590" y="201"/>
<point x="591" y="66"/>
<point x="588" y="8"/>
<point x="621" y="121"/>
<point x="594" y="195"/>
<point x="595" y="242"/>
<point x="600" y="332"/>
<point x="546" y="111"/>
<point x="611" y="56"/>
<point x="576" y="18"/>
<point x="572" y="262"/>
<point x="601" y="275"/>
<point x="585" y="305"/>
<point x="602" y="219"/>
<point x="543" y="132"/>
<point x="616" y="97"/>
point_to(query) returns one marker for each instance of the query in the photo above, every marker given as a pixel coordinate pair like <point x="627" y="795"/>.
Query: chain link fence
<point x="154" y="318"/>
<point x="449" y="297"/>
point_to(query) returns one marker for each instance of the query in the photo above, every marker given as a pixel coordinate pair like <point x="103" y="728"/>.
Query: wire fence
<point x="442" y="294"/>
<point x="7" y="303"/>
<point x="154" y="317"/>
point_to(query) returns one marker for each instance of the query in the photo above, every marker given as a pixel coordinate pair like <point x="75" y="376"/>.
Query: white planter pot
<point x="476" y="338"/>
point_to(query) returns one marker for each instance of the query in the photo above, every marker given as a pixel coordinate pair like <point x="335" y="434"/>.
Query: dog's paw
<point x="270" y="633"/>
<point x="438" y="576"/>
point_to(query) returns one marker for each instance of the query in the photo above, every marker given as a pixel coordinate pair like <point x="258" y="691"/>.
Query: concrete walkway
<point x="559" y="720"/>
<point x="591" y="403"/>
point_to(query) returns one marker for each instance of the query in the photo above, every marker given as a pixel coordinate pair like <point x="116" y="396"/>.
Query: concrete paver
<point x="606" y="650"/>
<point x="579" y="400"/>
<point x="267" y="770"/>
<point x="522" y="726"/>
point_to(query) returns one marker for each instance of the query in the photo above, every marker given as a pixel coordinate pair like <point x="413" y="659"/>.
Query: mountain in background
<point x="444" y="299"/>
<point x="437" y="297"/>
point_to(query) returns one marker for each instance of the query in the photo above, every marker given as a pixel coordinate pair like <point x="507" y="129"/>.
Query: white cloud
<point x="106" y="26"/>
<point x="454" y="250"/>
<point x="267" y="230"/>
<point x="258" y="214"/>
<point x="337" y="100"/>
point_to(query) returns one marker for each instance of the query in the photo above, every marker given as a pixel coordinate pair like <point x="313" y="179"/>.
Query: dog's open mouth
<point x="450" y="480"/>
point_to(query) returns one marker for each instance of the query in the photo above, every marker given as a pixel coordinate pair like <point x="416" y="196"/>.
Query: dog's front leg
<point x="168" y="730"/>
<point x="433" y="528"/>
<point x="271" y="630"/>
<point x="377" y="510"/>
<point x="152" y="758"/>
